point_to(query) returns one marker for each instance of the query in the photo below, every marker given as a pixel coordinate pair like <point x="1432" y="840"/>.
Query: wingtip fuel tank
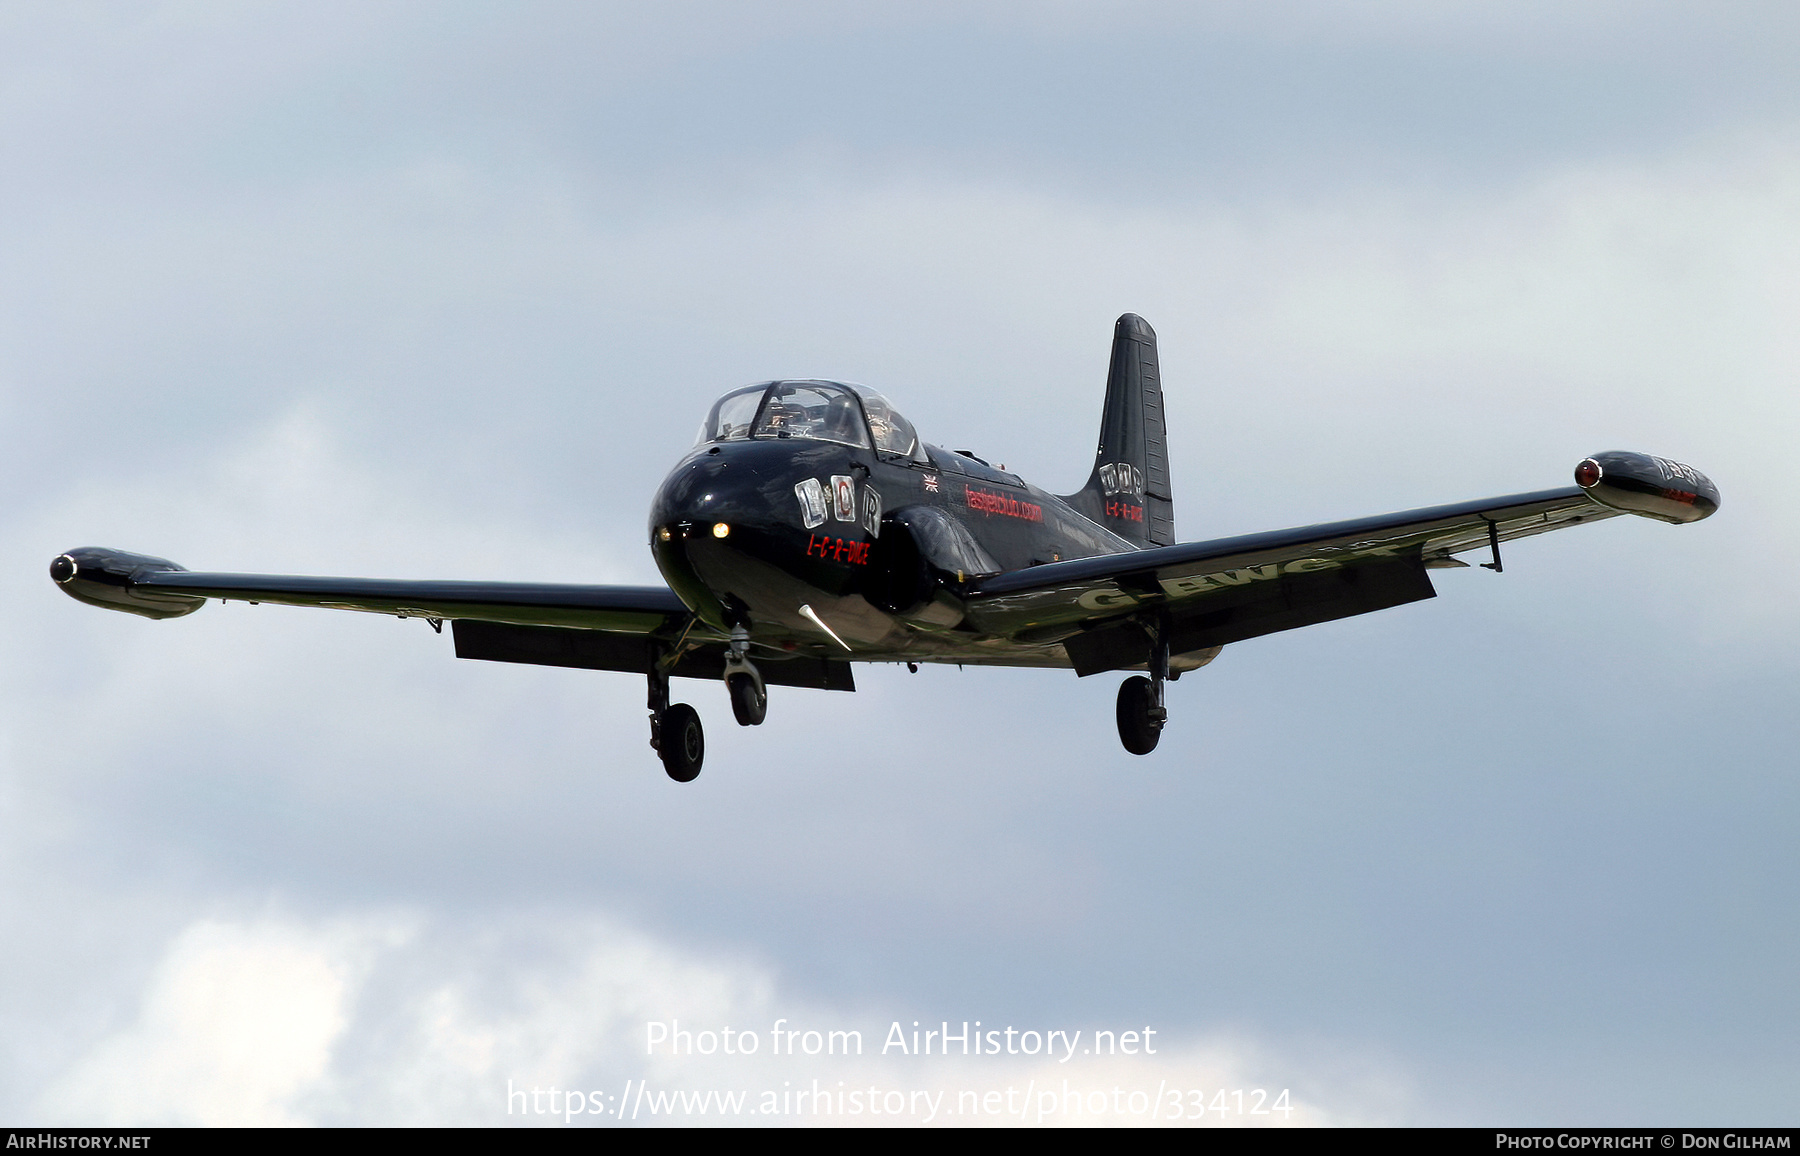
<point x="110" y="579"/>
<point x="1651" y="486"/>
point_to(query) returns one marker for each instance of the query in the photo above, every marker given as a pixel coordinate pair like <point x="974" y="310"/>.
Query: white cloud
<point x="237" y="1022"/>
<point x="277" y="1020"/>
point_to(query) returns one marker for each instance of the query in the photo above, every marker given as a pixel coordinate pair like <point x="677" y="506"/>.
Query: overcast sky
<point x="441" y="290"/>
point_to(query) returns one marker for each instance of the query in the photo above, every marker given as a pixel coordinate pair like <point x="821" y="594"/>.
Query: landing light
<point x="663" y="535"/>
<point x="721" y="530"/>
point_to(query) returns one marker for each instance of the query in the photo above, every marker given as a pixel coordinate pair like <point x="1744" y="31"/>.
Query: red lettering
<point x="989" y="503"/>
<point x="838" y="549"/>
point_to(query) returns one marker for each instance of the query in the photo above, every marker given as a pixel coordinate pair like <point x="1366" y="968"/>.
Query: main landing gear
<point x="675" y="730"/>
<point x="1141" y="711"/>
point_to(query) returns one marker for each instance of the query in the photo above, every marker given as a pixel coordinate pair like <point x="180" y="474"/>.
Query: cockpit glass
<point x="826" y="413"/>
<point x="731" y="418"/>
<point x="893" y="433"/>
<point x="815" y="410"/>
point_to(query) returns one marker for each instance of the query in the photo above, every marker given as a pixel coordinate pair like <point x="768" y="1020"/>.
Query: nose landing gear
<point x="749" y="698"/>
<point x="1141" y="710"/>
<point x="749" y="701"/>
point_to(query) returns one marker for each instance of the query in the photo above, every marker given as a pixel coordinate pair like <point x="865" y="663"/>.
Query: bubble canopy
<point x="827" y="411"/>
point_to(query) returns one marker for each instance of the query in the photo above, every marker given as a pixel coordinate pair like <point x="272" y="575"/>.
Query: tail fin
<point x="1128" y="492"/>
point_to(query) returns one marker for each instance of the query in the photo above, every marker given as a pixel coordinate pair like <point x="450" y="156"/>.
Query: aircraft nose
<point x="710" y="518"/>
<point x="710" y="501"/>
<point x="700" y="494"/>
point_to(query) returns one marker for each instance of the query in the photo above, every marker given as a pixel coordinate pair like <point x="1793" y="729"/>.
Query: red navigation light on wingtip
<point x="1649" y="486"/>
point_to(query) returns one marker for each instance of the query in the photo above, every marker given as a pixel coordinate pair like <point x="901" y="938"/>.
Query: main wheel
<point x="1138" y="729"/>
<point x="683" y="743"/>
<point x="749" y="701"/>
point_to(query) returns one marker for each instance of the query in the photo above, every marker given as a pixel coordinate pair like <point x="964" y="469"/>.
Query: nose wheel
<point x="749" y="701"/>
<point x="749" y="698"/>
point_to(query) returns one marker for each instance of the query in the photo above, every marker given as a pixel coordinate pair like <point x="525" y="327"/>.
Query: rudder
<point x="1128" y="492"/>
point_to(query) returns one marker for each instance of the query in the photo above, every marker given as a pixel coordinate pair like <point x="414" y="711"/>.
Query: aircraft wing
<point x="1207" y="594"/>
<point x="158" y="588"/>
<point x="622" y="628"/>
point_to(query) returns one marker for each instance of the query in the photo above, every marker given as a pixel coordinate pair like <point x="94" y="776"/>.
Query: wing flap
<point x="596" y="650"/>
<point x="1288" y="602"/>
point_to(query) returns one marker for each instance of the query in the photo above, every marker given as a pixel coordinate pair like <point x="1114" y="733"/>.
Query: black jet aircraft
<point x="810" y="528"/>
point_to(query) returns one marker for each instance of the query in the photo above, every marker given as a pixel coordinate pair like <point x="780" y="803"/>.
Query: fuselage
<point x="766" y="517"/>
